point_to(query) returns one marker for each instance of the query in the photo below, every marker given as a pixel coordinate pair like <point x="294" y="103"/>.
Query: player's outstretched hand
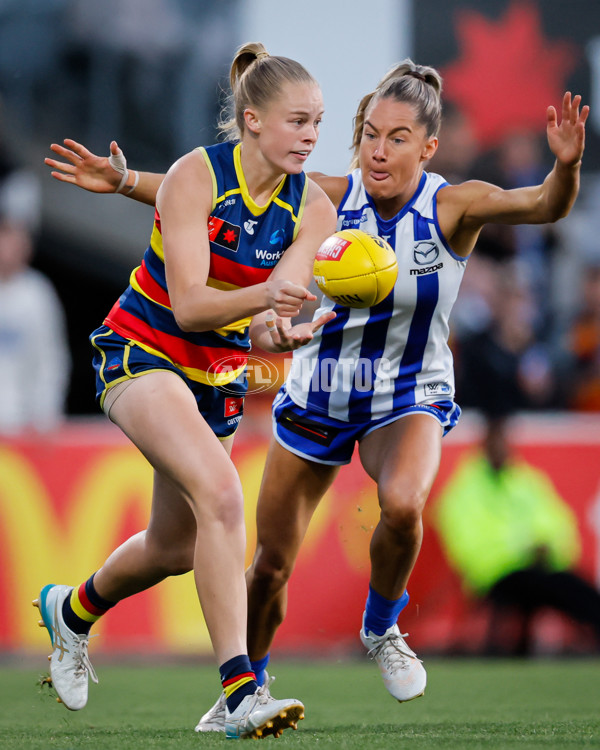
<point x="86" y="170"/>
<point x="287" y="339"/>
<point x="567" y="138"/>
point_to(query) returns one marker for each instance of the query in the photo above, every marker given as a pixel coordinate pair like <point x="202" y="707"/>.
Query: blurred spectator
<point x="505" y="368"/>
<point x="20" y="192"/>
<point x="513" y="540"/>
<point x="34" y="354"/>
<point x="582" y="385"/>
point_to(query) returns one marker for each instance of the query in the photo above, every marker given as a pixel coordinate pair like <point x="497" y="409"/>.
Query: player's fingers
<point x="322" y="320"/>
<point x="69" y="168"/>
<point x="77" y="148"/>
<point x="64" y="152"/>
<point x="63" y="177"/>
<point x="575" y="109"/>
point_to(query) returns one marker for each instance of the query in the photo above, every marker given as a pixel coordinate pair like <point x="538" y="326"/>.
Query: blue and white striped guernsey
<point x="368" y="363"/>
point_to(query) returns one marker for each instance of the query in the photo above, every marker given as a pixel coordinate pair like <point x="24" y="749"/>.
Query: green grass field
<point x="468" y="704"/>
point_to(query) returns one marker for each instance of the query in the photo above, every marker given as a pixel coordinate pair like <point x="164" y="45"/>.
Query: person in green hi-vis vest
<point x="513" y="539"/>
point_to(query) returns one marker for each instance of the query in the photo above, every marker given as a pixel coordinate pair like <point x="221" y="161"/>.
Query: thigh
<point x="404" y="455"/>
<point x="291" y="489"/>
<point x="159" y="414"/>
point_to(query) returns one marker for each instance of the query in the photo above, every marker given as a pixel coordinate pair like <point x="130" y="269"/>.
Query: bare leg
<point x="197" y="514"/>
<point x="403" y="458"/>
<point x="291" y="489"/>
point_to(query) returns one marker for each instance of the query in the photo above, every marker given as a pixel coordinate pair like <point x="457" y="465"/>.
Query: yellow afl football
<point x="355" y="269"/>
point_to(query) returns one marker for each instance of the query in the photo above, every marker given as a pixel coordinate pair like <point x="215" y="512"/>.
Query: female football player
<point x="158" y="366"/>
<point x="399" y="422"/>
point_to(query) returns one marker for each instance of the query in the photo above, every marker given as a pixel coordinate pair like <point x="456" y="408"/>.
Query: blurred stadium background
<point x="149" y="73"/>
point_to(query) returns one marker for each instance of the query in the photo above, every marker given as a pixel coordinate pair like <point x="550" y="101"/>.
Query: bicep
<point x="184" y="202"/>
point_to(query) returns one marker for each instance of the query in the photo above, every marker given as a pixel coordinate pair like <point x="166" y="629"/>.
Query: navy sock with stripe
<point x="81" y="610"/>
<point x="238" y="680"/>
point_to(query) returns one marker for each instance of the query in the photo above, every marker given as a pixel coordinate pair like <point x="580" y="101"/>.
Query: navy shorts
<point x="117" y="359"/>
<point x="329" y="441"/>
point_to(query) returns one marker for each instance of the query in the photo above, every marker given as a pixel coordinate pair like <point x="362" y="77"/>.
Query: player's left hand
<point x="567" y="138"/>
<point x="285" y="338"/>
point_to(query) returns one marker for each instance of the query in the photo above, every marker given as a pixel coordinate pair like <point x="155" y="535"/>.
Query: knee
<point x="223" y="504"/>
<point x="402" y="505"/>
<point x="270" y="570"/>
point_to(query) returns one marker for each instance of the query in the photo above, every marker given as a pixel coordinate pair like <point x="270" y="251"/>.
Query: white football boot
<point x="403" y="673"/>
<point x="70" y="665"/>
<point x="260" y="715"/>
<point x="214" y="719"/>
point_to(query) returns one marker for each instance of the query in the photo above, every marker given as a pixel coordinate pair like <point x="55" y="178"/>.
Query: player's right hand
<point x="85" y="169"/>
<point x="285" y="298"/>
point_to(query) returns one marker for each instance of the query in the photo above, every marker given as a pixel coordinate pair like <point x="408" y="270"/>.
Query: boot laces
<point x="81" y="658"/>
<point x="263" y="693"/>
<point x="394" y="653"/>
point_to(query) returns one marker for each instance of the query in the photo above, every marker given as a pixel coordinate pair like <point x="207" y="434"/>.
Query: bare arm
<point x="318" y="222"/>
<point x="464" y="209"/>
<point x="98" y="175"/>
<point x="334" y="187"/>
<point x="184" y="201"/>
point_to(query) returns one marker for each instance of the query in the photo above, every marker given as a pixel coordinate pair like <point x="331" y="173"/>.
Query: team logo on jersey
<point x="233" y="406"/>
<point x="277" y="238"/>
<point x="223" y="233"/>
<point x="249" y="225"/>
<point x="425" y="253"/>
<point x="437" y="389"/>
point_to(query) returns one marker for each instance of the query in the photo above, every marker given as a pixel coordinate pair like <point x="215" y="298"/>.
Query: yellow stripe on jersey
<point x="212" y="175"/>
<point x="301" y="209"/>
<point x="156" y="243"/>
<point x="239" y="326"/>
<point x="254" y="208"/>
<point x="133" y="282"/>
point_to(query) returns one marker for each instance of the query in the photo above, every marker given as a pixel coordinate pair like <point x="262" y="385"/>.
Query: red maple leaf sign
<point x="508" y="73"/>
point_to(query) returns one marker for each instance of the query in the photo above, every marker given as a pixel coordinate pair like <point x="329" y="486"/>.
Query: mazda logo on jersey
<point x="425" y="253"/>
<point x="223" y="233"/>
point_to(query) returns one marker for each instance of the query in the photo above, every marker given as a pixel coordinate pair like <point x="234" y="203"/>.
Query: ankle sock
<point x="382" y="613"/>
<point x="81" y="610"/>
<point x="258" y="667"/>
<point x="238" y="680"/>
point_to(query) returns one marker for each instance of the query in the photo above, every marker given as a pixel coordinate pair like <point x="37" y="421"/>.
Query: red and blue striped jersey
<point x="246" y="241"/>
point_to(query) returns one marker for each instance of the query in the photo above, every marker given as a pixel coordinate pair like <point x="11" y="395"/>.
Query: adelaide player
<point x="189" y="304"/>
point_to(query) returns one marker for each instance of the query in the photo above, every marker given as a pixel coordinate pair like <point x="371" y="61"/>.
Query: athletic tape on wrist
<point x="119" y="163"/>
<point x="135" y="182"/>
